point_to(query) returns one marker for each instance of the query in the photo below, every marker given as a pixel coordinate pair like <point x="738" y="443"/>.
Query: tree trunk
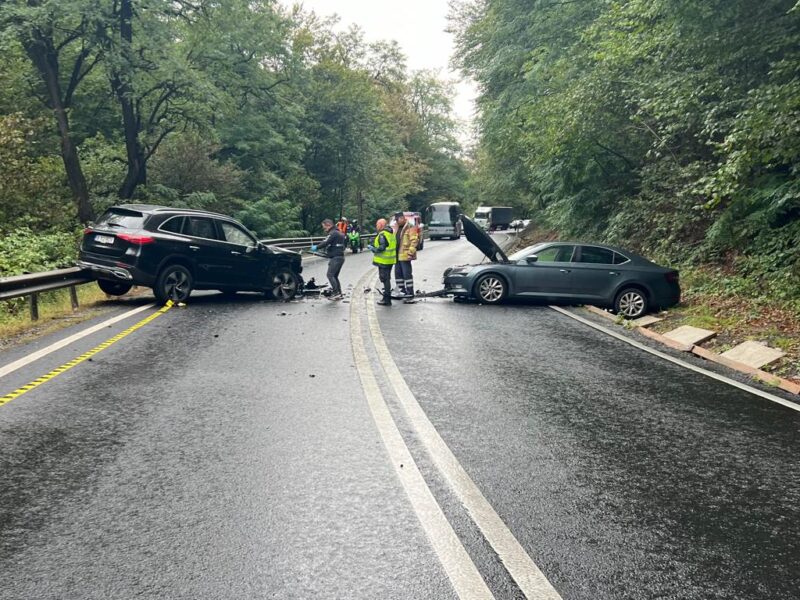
<point x="121" y="84"/>
<point x="44" y="56"/>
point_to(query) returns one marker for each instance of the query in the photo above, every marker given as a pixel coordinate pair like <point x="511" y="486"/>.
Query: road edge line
<point x="83" y="357"/>
<point x="456" y="562"/>
<point x="30" y="358"/>
<point x="691" y="367"/>
<point x="516" y="560"/>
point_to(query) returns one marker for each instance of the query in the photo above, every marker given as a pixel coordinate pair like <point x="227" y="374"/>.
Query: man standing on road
<point x="334" y="245"/>
<point x="407" y="242"/>
<point x="385" y="249"/>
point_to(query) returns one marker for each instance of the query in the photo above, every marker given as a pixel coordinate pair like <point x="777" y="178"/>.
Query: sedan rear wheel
<point x="284" y="285"/>
<point x="174" y="283"/>
<point x="491" y="289"/>
<point x="631" y="303"/>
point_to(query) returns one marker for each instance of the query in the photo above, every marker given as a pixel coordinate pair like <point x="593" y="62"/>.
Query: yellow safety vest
<point x="388" y="256"/>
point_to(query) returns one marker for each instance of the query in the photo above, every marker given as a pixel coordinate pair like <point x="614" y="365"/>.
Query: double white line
<point x="457" y="563"/>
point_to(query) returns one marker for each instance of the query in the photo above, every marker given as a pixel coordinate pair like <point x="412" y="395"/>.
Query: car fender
<point x="177" y="259"/>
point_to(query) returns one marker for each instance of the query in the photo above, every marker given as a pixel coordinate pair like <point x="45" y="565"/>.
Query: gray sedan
<point x="577" y="272"/>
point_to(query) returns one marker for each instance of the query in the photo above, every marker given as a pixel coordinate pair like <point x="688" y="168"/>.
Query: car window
<point x="595" y="255"/>
<point x="127" y="219"/>
<point x="200" y="227"/>
<point x="556" y="254"/>
<point x="235" y="235"/>
<point x="619" y="259"/>
<point x="173" y="225"/>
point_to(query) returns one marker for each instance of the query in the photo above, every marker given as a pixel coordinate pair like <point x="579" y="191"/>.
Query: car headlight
<point x="457" y="271"/>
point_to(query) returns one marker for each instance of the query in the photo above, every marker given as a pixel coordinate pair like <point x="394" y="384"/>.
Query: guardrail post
<point x="73" y="297"/>
<point x="34" y="305"/>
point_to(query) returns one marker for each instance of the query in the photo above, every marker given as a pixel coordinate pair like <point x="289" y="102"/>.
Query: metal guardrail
<point x="32" y="284"/>
<point x="306" y="242"/>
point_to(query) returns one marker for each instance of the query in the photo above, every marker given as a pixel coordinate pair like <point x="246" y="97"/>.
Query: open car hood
<point x="481" y="240"/>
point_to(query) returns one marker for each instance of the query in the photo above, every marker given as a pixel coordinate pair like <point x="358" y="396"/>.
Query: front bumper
<point x="457" y="285"/>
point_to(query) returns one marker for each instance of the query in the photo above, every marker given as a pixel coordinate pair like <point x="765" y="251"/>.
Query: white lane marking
<point x="516" y="560"/>
<point x="691" y="367"/>
<point x="26" y="360"/>
<point x="458" y="565"/>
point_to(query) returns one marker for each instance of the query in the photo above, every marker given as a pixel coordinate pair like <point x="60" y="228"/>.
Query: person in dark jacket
<point x="334" y="246"/>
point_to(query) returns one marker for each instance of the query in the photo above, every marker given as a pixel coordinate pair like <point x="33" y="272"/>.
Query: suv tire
<point x="114" y="288"/>
<point x="284" y="285"/>
<point x="175" y="282"/>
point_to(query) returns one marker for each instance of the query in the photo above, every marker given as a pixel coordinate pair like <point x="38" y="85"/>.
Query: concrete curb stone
<point x="763" y="376"/>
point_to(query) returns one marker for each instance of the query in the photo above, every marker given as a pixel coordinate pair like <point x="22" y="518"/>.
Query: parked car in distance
<point x="583" y="273"/>
<point x="176" y="250"/>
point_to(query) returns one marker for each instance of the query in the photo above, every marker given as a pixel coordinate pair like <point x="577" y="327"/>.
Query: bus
<point x="444" y="220"/>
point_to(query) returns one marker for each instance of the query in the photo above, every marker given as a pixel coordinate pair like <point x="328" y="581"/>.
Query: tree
<point x="59" y="39"/>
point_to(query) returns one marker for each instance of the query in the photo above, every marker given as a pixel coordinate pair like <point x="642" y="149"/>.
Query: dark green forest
<point x="671" y="127"/>
<point x="667" y="126"/>
<point x="244" y="107"/>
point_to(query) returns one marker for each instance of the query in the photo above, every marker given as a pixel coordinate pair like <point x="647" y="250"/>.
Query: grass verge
<point x="55" y="312"/>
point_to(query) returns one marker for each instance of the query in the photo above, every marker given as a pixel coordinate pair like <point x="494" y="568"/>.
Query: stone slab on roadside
<point x="754" y="354"/>
<point x="646" y="321"/>
<point x="691" y="336"/>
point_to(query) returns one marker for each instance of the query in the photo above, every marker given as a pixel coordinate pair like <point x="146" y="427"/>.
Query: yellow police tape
<point x="87" y="355"/>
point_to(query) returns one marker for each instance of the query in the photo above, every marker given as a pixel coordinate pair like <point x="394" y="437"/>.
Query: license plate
<point x="104" y="239"/>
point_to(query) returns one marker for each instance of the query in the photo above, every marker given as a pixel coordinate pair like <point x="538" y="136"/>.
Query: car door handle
<point x="613" y="273"/>
<point x="566" y="270"/>
<point x="194" y="247"/>
<point x="236" y="253"/>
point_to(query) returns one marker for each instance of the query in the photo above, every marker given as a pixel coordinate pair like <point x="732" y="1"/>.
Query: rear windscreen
<point x="127" y="219"/>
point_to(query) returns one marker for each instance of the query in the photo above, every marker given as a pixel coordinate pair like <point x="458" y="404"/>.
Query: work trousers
<point x="334" y="267"/>
<point x="385" y="275"/>
<point x="404" y="276"/>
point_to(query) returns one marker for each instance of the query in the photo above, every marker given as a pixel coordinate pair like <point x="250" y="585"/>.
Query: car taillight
<point x="672" y="276"/>
<point x="136" y="238"/>
<point x="87" y="231"/>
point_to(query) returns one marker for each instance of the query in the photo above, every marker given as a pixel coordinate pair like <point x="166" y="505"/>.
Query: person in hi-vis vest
<point x="384" y="248"/>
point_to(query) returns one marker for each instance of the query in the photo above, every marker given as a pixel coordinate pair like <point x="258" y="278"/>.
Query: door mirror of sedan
<point x="531" y="259"/>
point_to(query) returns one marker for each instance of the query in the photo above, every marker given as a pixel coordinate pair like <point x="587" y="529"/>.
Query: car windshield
<point x="525" y="252"/>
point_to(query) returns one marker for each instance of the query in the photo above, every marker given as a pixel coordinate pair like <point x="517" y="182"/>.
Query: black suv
<point x="175" y="250"/>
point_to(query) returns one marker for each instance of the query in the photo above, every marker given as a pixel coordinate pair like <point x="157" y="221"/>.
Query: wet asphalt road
<point x="226" y="450"/>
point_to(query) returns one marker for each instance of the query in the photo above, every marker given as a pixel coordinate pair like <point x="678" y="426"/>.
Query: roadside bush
<point x="23" y="251"/>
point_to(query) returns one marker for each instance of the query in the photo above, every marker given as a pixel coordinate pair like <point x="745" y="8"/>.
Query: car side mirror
<point x="531" y="259"/>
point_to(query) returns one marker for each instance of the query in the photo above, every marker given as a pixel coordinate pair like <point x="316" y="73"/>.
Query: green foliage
<point x="32" y="190"/>
<point x="23" y="251"/>
<point x="273" y="219"/>
<point x="236" y="106"/>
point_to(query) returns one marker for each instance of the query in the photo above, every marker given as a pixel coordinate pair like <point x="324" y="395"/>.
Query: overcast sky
<point x="417" y="25"/>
